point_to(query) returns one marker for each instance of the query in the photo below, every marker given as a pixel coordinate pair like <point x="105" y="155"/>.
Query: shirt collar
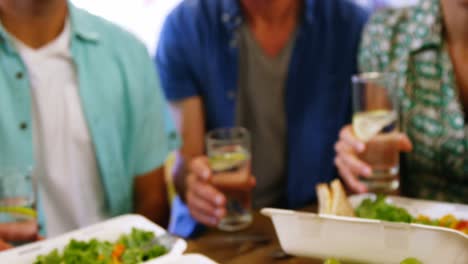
<point x="81" y="26"/>
<point x="425" y="25"/>
<point x="232" y="14"/>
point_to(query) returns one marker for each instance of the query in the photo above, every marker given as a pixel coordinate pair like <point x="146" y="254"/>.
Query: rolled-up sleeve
<point x="173" y="59"/>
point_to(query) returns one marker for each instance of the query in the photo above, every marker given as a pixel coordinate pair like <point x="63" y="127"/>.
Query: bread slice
<point x="324" y="198"/>
<point x="340" y="204"/>
<point x="333" y="200"/>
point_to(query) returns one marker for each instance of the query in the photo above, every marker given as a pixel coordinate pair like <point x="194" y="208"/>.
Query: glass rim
<point x="233" y="130"/>
<point x="373" y="76"/>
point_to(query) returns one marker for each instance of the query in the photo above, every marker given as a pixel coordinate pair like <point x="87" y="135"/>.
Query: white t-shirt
<point x="69" y="183"/>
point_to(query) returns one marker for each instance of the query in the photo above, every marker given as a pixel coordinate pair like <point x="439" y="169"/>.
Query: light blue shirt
<point x="121" y="98"/>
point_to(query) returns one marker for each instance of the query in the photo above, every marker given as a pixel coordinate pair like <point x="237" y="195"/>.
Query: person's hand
<point x="17" y="232"/>
<point x="4" y="245"/>
<point x="350" y="167"/>
<point x="206" y="203"/>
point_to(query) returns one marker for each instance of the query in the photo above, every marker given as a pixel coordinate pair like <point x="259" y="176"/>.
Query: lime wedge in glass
<point x="366" y="125"/>
<point x="228" y="160"/>
<point x="17" y="210"/>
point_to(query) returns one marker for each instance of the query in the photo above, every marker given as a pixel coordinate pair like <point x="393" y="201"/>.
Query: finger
<point x="405" y="144"/>
<point x="209" y="193"/>
<point x="349" y="178"/>
<point x="347" y="135"/>
<point x="201" y="167"/>
<point x="20" y="231"/>
<point x="355" y="165"/>
<point x="199" y="204"/>
<point x="204" y="219"/>
<point x="341" y="147"/>
<point x="252" y="181"/>
<point x="4" y="245"/>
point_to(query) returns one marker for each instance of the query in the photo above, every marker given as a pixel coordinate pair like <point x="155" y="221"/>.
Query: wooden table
<point x="224" y="248"/>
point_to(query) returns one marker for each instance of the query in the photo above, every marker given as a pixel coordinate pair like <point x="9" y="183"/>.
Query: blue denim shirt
<point x="122" y="101"/>
<point x="198" y="56"/>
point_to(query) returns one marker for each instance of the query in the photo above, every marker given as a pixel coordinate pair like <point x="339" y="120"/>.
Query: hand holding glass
<point x="18" y="217"/>
<point x="229" y="155"/>
<point x="375" y="122"/>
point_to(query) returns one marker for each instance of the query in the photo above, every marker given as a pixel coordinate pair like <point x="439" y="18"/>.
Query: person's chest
<point x="460" y="70"/>
<point x="433" y="115"/>
<point x="87" y="85"/>
<point x="316" y="85"/>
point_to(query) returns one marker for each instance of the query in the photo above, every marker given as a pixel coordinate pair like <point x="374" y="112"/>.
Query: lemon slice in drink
<point x="366" y="125"/>
<point x="17" y="210"/>
<point x="227" y="161"/>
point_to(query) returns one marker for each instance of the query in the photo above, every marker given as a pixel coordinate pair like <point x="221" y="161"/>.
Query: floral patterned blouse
<point x="410" y="42"/>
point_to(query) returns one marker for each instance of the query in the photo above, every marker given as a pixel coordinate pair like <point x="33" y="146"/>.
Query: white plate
<point x="188" y="259"/>
<point x="372" y="241"/>
<point x="109" y="230"/>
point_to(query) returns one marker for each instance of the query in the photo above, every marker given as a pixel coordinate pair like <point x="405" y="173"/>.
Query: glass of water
<point x="375" y="122"/>
<point x="229" y="155"/>
<point x="18" y="200"/>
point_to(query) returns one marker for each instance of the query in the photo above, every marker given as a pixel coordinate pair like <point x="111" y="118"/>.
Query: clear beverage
<point x="229" y="156"/>
<point x="381" y="151"/>
<point x="375" y="122"/>
<point x="18" y="200"/>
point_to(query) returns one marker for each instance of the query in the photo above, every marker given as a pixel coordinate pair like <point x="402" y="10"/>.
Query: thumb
<point x="404" y="142"/>
<point x="200" y="166"/>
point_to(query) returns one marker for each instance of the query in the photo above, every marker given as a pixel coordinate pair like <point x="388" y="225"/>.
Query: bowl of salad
<point x="128" y="239"/>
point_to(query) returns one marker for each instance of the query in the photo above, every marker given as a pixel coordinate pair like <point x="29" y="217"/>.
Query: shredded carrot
<point x="118" y="251"/>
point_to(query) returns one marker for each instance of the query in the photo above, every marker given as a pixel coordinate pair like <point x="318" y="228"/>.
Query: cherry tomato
<point x="462" y="226"/>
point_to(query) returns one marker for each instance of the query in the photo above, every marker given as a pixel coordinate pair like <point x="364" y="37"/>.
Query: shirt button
<point x="231" y="95"/>
<point x="225" y="17"/>
<point x="23" y="126"/>
<point x="19" y="75"/>
<point x="238" y="21"/>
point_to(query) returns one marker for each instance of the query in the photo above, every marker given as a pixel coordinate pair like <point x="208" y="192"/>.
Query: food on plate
<point x="133" y="248"/>
<point x="411" y="261"/>
<point x="381" y="210"/>
<point x="405" y="261"/>
<point x="333" y="199"/>
<point x="463" y="226"/>
<point x="332" y="261"/>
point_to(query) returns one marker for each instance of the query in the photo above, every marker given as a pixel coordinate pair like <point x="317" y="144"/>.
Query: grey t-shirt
<point x="260" y="109"/>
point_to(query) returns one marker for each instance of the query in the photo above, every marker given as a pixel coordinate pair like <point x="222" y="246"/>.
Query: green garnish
<point x="332" y="261"/>
<point x="381" y="210"/>
<point x="405" y="261"/>
<point x="411" y="261"/>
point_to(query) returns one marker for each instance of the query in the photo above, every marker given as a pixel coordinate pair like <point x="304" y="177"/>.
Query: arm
<point x="371" y="59"/>
<point x="190" y="120"/>
<point x="192" y="173"/>
<point x="151" y="197"/>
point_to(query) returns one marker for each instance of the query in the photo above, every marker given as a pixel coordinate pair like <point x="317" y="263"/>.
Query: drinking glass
<point x="229" y="156"/>
<point x="375" y="122"/>
<point x="18" y="199"/>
